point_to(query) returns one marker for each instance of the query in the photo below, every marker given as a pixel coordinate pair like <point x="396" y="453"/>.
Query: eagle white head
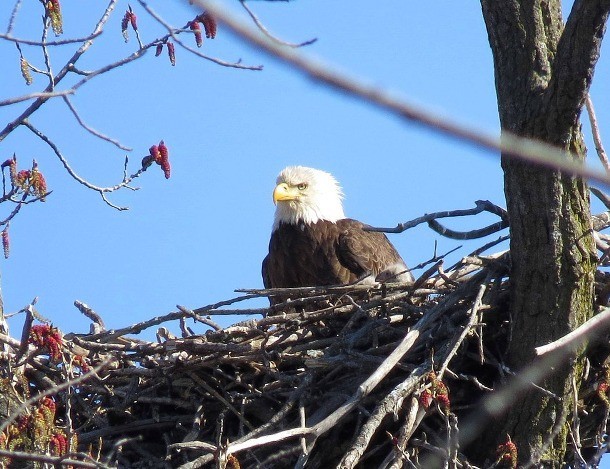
<point x="306" y="194"/>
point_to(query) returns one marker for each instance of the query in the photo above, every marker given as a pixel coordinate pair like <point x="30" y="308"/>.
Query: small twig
<point x="45" y="53"/>
<point x="11" y="23"/>
<point x="266" y="32"/>
<point x="139" y="327"/>
<point x="388" y="405"/>
<point x="414" y="416"/>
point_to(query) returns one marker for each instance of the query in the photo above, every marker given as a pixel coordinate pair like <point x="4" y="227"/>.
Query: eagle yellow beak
<point x="284" y="192"/>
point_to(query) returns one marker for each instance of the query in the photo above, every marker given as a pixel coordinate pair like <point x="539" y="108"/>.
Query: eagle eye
<point x="302" y="186"/>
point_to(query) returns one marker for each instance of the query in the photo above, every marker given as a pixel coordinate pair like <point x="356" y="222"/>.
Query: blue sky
<point x="193" y="239"/>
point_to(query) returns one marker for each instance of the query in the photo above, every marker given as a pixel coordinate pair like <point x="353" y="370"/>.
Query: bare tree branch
<point x="430" y="218"/>
<point x="597" y="139"/>
<point x="42" y="95"/>
<point x="92" y="130"/>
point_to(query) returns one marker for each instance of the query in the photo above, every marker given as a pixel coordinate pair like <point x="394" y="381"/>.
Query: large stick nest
<point x="376" y="376"/>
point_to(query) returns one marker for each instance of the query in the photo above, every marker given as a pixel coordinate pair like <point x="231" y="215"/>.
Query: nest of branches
<point x="376" y="376"/>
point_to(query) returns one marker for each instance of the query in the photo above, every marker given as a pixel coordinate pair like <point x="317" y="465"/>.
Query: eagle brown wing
<point x="369" y="252"/>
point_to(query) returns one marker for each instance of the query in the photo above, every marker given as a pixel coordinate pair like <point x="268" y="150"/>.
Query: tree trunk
<point x="543" y="72"/>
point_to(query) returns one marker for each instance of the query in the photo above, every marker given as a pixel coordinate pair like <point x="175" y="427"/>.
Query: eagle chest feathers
<point x="311" y="254"/>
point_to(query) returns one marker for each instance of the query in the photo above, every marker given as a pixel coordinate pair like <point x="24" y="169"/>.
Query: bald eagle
<point x="313" y="244"/>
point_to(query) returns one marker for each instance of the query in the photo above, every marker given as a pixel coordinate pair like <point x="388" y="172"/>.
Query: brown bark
<point x="543" y="72"/>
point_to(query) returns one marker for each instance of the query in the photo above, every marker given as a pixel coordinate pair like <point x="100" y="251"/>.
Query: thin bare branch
<point x="84" y="182"/>
<point x="597" y="139"/>
<point x="266" y="32"/>
<point x="92" y="130"/>
<point x="58" y="42"/>
<point x="42" y="95"/>
<point x="11" y="23"/>
<point x="481" y="206"/>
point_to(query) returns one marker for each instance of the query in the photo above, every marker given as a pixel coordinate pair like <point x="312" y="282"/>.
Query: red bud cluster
<point x="48" y="403"/>
<point x="39" y="184"/>
<point x="26" y="179"/>
<point x="23" y="422"/>
<point x="507" y="453"/>
<point x="53" y="11"/>
<point x="22" y="179"/>
<point x="196" y="28"/>
<point x="165" y="166"/>
<point x="209" y="24"/>
<point x="48" y="337"/>
<point x="11" y="163"/>
<point x="425" y="398"/>
<point x="37" y="430"/>
<point x="233" y="462"/>
<point x="437" y="391"/>
<point x="81" y="362"/>
<point x="603" y="386"/>
<point x="160" y="155"/>
<point x="171" y="52"/>
<point x="25" y="71"/>
<point x="602" y="392"/>
<point x="6" y="242"/>
<point x="128" y="18"/>
<point x="58" y="444"/>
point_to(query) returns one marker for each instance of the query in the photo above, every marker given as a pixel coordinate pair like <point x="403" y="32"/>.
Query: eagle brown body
<point x="313" y="244"/>
<point x="326" y="253"/>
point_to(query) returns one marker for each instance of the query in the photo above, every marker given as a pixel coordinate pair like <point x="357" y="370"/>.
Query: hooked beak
<point x="284" y="192"/>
